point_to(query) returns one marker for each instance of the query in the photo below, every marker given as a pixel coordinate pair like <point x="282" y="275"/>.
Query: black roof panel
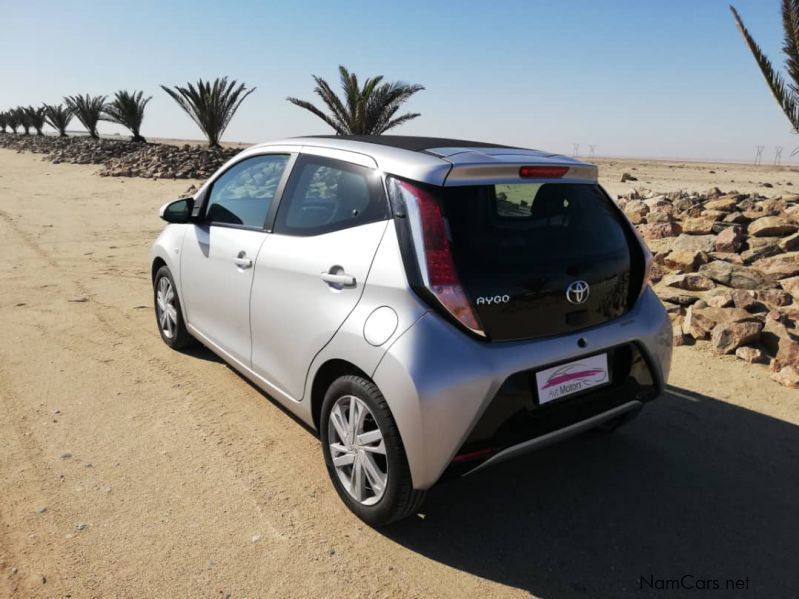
<point x="415" y="144"/>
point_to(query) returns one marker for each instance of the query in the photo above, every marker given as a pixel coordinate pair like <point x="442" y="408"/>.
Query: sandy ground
<point x="130" y="470"/>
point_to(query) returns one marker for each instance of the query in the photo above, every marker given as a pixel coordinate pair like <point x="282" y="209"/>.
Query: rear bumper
<point x="626" y="409"/>
<point x="439" y="384"/>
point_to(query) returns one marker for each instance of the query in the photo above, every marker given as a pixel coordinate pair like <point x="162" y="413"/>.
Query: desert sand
<point x="130" y="470"/>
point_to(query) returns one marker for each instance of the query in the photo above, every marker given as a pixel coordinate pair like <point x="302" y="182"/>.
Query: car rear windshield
<point x="517" y="227"/>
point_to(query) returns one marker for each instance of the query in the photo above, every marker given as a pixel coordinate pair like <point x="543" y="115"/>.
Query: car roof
<point x="439" y="160"/>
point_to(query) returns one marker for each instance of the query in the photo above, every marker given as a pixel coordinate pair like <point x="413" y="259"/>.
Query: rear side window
<point x="325" y="195"/>
<point x="243" y="194"/>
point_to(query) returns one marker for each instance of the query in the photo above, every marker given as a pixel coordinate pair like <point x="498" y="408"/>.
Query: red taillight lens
<point x="442" y="278"/>
<point x="542" y="172"/>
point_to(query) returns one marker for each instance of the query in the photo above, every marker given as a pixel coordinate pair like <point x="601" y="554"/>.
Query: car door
<point x="310" y="275"/>
<point x="219" y="252"/>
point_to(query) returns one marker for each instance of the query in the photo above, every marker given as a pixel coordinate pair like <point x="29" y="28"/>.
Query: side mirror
<point x="178" y="211"/>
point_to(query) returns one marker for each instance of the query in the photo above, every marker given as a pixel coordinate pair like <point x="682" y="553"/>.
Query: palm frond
<point x="366" y="109"/>
<point x="210" y="106"/>
<point x="88" y="110"/>
<point x="783" y="93"/>
<point x="58" y="117"/>
<point x="127" y="109"/>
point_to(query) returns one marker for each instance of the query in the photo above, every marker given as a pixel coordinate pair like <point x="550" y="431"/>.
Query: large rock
<point x="790" y="243"/>
<point x="697" y="243"/>
<point x="659" y="230"/>
<point x="724" y="204"/>
<point x="689" y="282"/>
<point x="779" y="267"/>
<point x="756" y="253"/>
<point x="772" y="226"/>
<point x="685" y="260"/>
<point x="727" y="337"/>
<point x="791" y="285"/>
<point x="636" y="210"/>
<point x="751" y="355"/>
<point x="787" y="376"/>
<point x="730" y="239"/>
<point x="698" y="226"/>
<point x="699" y="322"/>
<point x="774" y="297"/>
<point x="733" y="275"/>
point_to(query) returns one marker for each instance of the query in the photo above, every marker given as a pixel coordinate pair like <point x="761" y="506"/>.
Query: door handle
<point x="337" y="278"/>
<point x="242" y="261"/>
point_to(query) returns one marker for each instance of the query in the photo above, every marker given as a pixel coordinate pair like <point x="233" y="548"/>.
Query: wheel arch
<point x="324" y="377"/>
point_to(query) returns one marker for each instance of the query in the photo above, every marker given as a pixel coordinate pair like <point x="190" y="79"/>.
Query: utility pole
<point x="592" y="151"/>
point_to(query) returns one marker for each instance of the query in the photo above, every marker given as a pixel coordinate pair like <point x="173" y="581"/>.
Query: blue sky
<point x="636" y="78"/>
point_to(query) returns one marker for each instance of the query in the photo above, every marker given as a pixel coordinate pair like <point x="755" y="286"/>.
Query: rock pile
<point x="166" y="161"/>
<point x="726" y="266"/>
<point x="122" y="158"/>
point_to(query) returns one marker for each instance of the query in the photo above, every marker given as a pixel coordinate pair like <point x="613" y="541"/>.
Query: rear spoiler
<point x="485" y="174"/>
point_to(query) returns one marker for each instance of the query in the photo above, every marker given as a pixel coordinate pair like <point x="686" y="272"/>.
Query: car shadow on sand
<point x="694" y="490"/>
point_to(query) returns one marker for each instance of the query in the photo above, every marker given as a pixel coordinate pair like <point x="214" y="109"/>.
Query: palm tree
<point x="210" y="105"/>
<point x="24" y="119"/>
<point x="35" y="117"/>
<point x="58" y="117"/>
<point x="88" y="109"/>
<point x="787" y="95"/>
<point x="367" y="110"/>
<point x="12" y="120"/>
<point x="127" y="109"/>
<point x="3" y="122"/>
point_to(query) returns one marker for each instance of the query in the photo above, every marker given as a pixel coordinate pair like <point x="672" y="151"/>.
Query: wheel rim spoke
<point x="357" y="450"/>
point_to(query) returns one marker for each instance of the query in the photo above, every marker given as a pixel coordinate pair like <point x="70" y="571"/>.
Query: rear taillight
<point x="435" y="258"/>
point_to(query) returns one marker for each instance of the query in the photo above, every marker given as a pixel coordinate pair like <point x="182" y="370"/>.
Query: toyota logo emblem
<point x="577" y="292"/>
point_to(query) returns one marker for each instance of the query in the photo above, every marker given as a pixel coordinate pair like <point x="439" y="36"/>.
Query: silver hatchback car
<point x="429" y="306"/>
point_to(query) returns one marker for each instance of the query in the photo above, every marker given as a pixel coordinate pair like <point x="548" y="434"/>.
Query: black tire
<point x="181" y="337"/>
<point x="400" y="499"/>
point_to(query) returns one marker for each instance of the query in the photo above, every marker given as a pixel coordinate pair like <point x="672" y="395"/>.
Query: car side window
<point x="243" y="194"/>
<point x="325" y="195"/>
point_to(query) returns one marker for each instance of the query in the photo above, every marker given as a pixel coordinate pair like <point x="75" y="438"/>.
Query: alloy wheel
<point x="358" y="450"/>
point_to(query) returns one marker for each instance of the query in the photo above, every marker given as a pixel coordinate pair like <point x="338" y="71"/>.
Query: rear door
<point x="220" y="250"/>
<point x="310" y="275"/>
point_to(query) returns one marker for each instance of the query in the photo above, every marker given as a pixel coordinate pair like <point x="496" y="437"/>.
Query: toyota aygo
<point x="429" y="306"/>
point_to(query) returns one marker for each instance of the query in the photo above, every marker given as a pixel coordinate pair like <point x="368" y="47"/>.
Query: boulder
<point x="727" y="337"/>
<point x="636" y="210"/>
<point x="779" y="267"/>
<point x="733" y="275"/>
<point x="699" y="322"/>
<point x="689" y="282"/>
<point x="756" y="253"/>
<point x="790" y="243"/>
<point x="697" y="243"/>
<point x="772" y="226"/>
<point x="751" y="355"/>
<point x="788" y="376"/>
<point x="698" y="226"/>
<point x="685" y="260"/>
<point x="791" y="285"/>
<point x="774" y="297"/>
<point x="730" y="239"/>
<point x="719" y="298"/>
<point x="724" y="204"/>
<point x="659" y="230"/>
